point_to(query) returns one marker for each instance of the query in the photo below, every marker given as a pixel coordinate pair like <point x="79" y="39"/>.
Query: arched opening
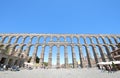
<point x="68" y="39"/>
<point x="46" y="53"/>
<point x="94" y="39"/>
<point x="39" y="49"/>
<point x="24" y="47"/>
<point x="6" y="39"/>
<point x="113" y="40"/>
<point x="62" y="56"/>
<point x="54" y="56"/>
<point x="101" y="41"/>
<point x="85" y="60"/>
<point x="88" y="40"/>
<point x="20" y="40"/>
<point x="101" y="53"/>
<point x="41" y="40"/>
<point x="62" y="39"/>
<point x="54" y="39"/>
<point x="27" y="39"/>
<point x="13" y="40"/>
<point x="75" y="40"/>
<point x="77" y="55"/>
<point x="47" y="39"/>
<point x="31" y="50"/>
<point x="34" y="40"/>
<point x="82" y="40"/>
<point x="107" y="40"/>
<point x="69" y="56"/>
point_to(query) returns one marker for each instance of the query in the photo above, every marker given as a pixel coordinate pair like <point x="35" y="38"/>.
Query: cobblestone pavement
<point x="59" y="73"/>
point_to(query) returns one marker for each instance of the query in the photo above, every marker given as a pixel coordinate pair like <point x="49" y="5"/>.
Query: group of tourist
<point x="4" y="67"/>
<point x="109" y="68"/>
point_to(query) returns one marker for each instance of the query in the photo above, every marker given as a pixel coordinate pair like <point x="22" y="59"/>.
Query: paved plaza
<point x="59" y="73"/>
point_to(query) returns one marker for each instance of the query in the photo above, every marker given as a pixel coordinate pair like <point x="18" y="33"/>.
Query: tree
<point x="4" y="50"/>
<point x="37" y="59"/>
<point x="45" y="63"/>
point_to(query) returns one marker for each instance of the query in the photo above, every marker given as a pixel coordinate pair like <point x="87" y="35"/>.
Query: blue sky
<point x="60" y="16"/>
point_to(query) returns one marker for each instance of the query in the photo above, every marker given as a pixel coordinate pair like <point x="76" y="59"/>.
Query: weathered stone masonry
<point x="95" y="41"/>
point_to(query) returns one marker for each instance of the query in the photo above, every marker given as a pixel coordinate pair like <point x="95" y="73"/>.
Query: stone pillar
<point x="17" y="54"/>
<point x="33" y="59"/>
<point x="58" y="56"/>
<point x="66" y="57"/>
<point x="3" y="39"/>
<point x="108" y="53"/>
<point x="50" y="58"/>
<point x="42" y="56"/>
<point x="9" y="40"/>
<point x="97" y="40"/>
<point x="84" y="40"/>
<point x="6" y="61"/>
<point x="30" y="40"/>
<point x="116" y="40"/>
<point x="11" y="52"/>
<point x="103" y="40"/>
<point x="16" y="40"/>
<point x="88" y="56"/>
<point x="74" y="58"/>
<point x="102" y="54"/>
<point x="81" y="57"/>
<point x="110" y="40"/>
<point x="91" y="40"/>
<point x="96" y="57"/>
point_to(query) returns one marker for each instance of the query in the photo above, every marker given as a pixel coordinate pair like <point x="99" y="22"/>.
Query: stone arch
<point x="34" y="40"/>
<point x="47" y="40"/>
<point x="114" y="40"/>
<point x="82" y="40"/>
<point x="20" y="39"/>
<point x="112" y="47"/>
<point x="95" y="40"/>
<point x="101" y="53"/>
<point x="23" y="48"/>
<point x="41" y="39"/>
<point x="95" y="54"/>
<point x="27" y="39"/>
<point x="107" y="40"/>
<point x="101" y="40"/>
<point x="88" y="40"/>
<point x="61" y="39"/>
<point x="75" y="40"/>
<point x="31" y="50"/>
<point x="54" y="39"/>
<point x="5" y="39"/>
<point x="68" y="39"/>
<point x="12" y="40"/>
<point x="109" y="58"/>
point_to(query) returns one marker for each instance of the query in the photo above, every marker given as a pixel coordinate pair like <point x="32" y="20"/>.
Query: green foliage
<point x="45" y="63"/>
<point x="37" y="59"/>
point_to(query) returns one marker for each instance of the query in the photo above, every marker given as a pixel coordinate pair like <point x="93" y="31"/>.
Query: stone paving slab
<point x="59" y="73"/>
